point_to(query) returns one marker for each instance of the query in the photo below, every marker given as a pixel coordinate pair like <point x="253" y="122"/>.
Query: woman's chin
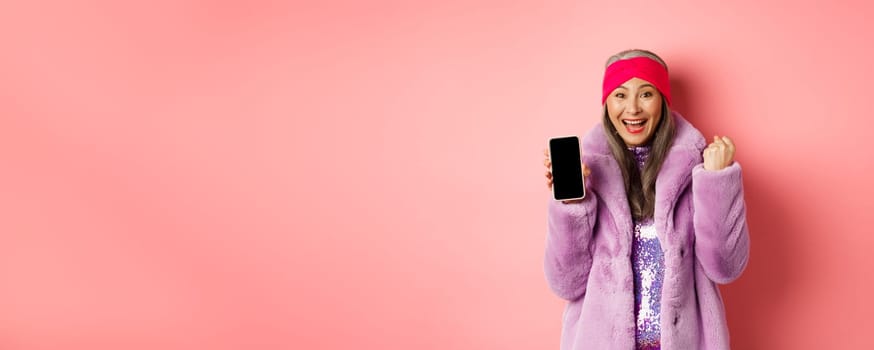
<point x="634" y="140"/>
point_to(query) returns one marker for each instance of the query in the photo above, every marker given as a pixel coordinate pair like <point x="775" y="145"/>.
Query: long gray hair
<point x="640" y="185"/>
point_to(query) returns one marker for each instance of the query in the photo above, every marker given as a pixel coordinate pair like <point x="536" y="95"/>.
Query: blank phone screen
<point x="567" y="170"/>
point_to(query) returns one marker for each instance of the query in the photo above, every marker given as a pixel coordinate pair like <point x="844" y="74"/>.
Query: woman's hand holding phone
<point x="548" y="164"/>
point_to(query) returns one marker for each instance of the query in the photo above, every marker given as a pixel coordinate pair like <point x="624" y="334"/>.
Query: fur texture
<point x="701" y="221"/>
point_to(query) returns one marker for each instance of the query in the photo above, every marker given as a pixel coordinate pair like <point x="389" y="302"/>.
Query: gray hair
<point x="640" y="185"/>
<point x="635" y="53"/>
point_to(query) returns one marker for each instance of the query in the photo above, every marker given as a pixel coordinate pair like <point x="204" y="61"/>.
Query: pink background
<point x="253" y="175"/>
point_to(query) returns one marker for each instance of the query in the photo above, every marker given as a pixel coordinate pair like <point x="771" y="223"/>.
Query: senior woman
<point x="662" y="224"/>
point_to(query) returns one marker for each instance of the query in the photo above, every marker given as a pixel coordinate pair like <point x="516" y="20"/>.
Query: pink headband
<point x="639" y="67"/>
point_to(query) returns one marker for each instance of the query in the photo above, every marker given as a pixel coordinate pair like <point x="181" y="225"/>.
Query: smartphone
<point x="567" y="168"/>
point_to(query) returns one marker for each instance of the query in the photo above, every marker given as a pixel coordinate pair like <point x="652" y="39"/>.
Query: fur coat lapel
<point x="674" y="177"/>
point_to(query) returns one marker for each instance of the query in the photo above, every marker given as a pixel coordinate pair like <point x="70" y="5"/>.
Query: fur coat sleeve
<point x="721" y="237"/>
<point x="568" y="245"/>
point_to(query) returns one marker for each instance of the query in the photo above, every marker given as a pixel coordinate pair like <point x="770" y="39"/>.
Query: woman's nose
<point x="633" y="106"/>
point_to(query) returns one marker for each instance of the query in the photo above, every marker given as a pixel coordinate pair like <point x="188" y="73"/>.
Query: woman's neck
<point x="641" y="153"/>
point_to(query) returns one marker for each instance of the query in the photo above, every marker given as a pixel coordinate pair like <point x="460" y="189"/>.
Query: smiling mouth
<point x="634" y="126"/>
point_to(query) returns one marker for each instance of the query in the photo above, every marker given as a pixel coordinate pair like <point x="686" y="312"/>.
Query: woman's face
<point x="635" y="109"/>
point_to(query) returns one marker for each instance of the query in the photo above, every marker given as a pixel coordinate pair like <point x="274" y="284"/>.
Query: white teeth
<point x="636" y="122"/>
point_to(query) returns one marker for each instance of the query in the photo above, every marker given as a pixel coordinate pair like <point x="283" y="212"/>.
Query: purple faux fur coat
<point x="701" y="221"/>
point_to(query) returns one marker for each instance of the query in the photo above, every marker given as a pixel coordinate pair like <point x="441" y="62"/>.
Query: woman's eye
<point x="647" y="94"/>
<point x="620" y="95"/>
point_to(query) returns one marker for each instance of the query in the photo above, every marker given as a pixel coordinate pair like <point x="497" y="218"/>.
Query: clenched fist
<point x="719" y="153"/>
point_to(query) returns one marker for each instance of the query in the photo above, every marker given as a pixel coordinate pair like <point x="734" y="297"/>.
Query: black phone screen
<point x="567" y="169"/>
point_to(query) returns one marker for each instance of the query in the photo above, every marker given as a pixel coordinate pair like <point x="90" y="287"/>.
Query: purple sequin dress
<point x="648" y="264"/>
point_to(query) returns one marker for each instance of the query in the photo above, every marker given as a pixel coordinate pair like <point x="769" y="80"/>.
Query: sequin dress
<point x="648" y="264"/>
